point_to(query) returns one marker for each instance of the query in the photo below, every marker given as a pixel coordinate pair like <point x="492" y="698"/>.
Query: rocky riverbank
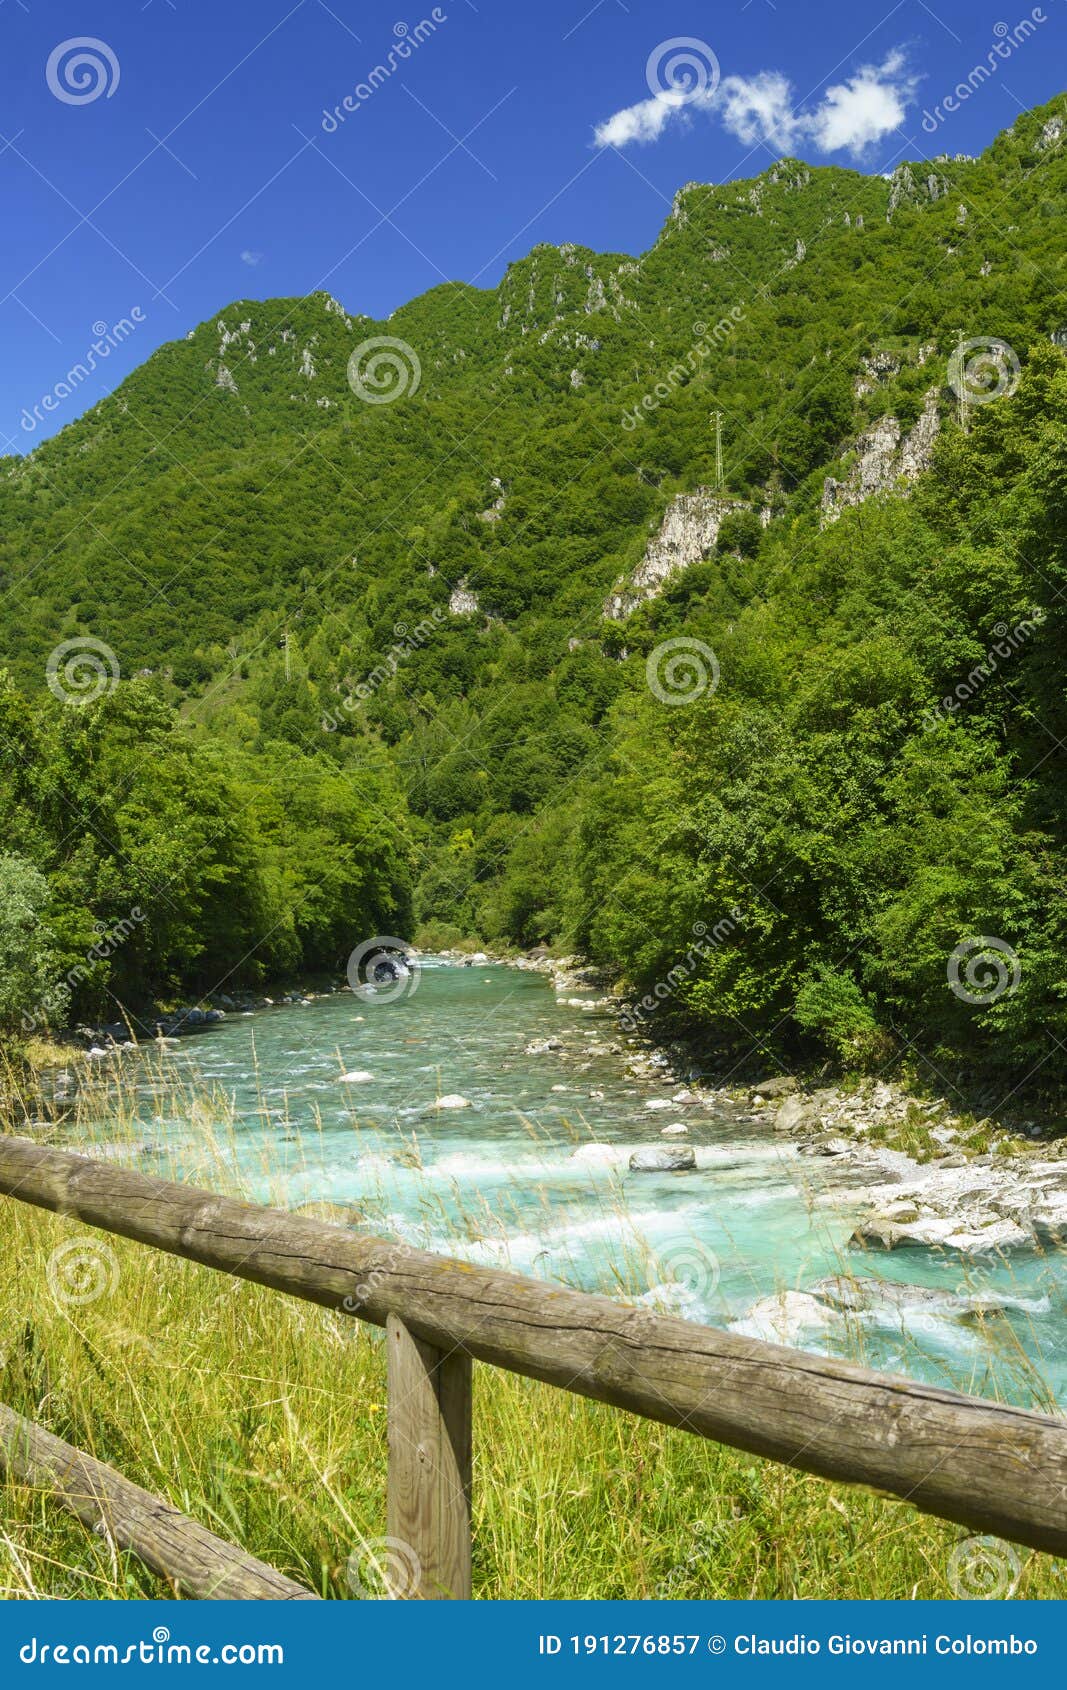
<point x="924" y="1176"/>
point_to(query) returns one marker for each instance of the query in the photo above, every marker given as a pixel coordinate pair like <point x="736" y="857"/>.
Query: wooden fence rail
<point x="196" y="1561"/>
<point x="988" y="1467"/>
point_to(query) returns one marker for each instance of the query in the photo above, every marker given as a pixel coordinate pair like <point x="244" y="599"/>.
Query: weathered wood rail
<point x="986" y="1466"/>
<point x="196" y="1561"/>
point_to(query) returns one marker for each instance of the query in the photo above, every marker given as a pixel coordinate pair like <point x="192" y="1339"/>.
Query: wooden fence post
<point x="429" y="1499"/>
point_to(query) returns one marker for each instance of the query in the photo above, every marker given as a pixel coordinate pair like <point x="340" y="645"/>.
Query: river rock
<point x="1049" y="1220"/>
<point x="793" y="1115"/>
<point x="783" y="1318"/>
<point x="866" y="1295"/>
<point x="542" y="1047"/>
<point x="356" y="1077"/>
<point x="663" y="1159"/>
<point x="780" y="1086"/>
<point x="598" y="1155"/>
<point x="939" y="1232"/>
<point x="659" y="1103"/>
<point x="452" y="1100"/>
<point x="677" y="1129"/>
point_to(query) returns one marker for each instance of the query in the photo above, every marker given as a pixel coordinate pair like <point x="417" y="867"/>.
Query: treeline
<point x="139" y="863"/>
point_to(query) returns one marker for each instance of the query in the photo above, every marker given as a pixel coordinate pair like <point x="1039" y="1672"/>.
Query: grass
<point x="265" y="1418"/>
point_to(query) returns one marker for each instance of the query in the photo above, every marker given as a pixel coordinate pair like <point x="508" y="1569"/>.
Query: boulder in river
<point x="452" y="1100"/>
<point x="938" y="1232"/>
<point x="543" y="1047"/>
<point x="663" y="1159"/>
<point x="785" y="1317"/>
<point x="677" y="1129"/>
<point x="780" y="1086"/>
<point x="599" y="1155"/>
<point x="356" y="1077"/>
<point x="793" y="1115"/>
<point x="867" y="1295"/>
<point x="1049" y="1220"/>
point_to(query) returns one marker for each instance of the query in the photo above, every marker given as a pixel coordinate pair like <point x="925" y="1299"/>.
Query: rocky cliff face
<point x="689" y="530"/>
<point x="886" y="462"/>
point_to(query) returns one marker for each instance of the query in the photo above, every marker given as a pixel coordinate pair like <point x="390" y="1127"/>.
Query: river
<point x="534" y="1172"/>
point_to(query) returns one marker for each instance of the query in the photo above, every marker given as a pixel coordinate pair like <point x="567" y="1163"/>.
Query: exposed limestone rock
<point x="918" y="445"/>
<point x="1051" y="134"/>
<point x="879" y="367"/>
<point x="885" y="463"/>
<point x="336" y="309"/>
<point x="595" y="299"/>
<point x="307" y="367"/>
<point x="224" y="379"/>
<point x="492" y="513"/>
<point x="462" y="600"/>
<point x="908" y="187"/>
<point x="689" y="529"/>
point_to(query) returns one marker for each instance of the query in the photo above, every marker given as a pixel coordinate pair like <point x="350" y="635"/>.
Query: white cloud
<point x="759" y="108"/>
<point x="643" y="122"/>
<point x="850" y="117"/>
<point x="251" y="258"/>
<point x="855" y="114"/>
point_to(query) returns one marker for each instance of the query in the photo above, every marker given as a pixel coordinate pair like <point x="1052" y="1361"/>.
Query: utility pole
<point x="961" y="389"/>
<point x="718" y="450"/>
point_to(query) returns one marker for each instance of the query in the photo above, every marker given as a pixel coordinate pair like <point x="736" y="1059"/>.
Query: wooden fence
<point x="988" y="1467"/>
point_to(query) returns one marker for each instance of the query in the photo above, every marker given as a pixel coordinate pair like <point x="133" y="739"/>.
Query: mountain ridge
<point x="257" y="538"/>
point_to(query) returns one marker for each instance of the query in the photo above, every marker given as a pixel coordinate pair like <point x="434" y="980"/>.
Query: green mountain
<point x="399" y="610"/>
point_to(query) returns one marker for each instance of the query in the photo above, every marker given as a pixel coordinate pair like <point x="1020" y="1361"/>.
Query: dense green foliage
<point x="175" y="864"/>
<point x="273" y="557"/>
<point x="854" y="833"/>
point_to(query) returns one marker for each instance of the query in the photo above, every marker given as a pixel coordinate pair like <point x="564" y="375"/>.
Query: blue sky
<point x="196" y="153"/>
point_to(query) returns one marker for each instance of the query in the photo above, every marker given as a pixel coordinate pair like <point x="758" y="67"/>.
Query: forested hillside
<point x="383" y="640"/>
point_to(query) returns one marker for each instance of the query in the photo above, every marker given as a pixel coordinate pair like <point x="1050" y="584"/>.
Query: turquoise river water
<point x="533" y="1173"/>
